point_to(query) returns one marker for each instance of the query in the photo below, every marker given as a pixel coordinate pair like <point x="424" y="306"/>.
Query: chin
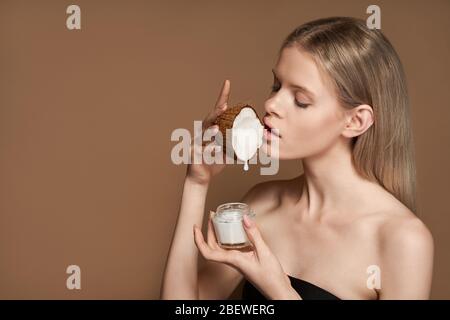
<point x="281" y="154"/>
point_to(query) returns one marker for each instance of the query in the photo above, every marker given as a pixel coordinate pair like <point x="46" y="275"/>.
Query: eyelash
<point x="299" y="104"/>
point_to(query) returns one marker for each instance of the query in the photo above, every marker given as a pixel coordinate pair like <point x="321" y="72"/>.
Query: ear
<point x="358" y="120"/>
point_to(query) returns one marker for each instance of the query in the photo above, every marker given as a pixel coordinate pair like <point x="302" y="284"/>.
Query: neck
<point x="331" y="183"/>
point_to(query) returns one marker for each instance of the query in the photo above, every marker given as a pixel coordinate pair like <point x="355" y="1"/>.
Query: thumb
<point x="254" y="235"/>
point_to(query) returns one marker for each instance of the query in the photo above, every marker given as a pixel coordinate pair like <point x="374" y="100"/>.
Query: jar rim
<point x="230" y="204"/>
<point x="225" y="216"/>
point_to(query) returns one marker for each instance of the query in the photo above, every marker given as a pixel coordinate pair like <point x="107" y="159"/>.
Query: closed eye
<point x="302" y="105"/>
<point x="276" y="86"/>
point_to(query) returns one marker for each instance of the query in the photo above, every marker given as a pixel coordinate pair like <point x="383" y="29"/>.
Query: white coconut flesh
<point x="247" y="135"/>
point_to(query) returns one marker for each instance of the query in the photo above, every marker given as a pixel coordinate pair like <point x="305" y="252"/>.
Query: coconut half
<point x="246" y="131"/>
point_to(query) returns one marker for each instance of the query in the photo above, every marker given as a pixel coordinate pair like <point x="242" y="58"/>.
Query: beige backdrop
<point x="86" y="118"/>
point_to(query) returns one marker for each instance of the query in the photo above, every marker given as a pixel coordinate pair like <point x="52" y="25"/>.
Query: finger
<point x="210" y="133"/>
<point x="216" y="146"/>
<point x="212" y="116"/>
<point x="197" y="143"/>
<point x="211" y="236"/>
<point x="254" y="235"/>
<point x="200" y="243"/>
<point x="207" y="252"/>
<point x="224" y="95"/>
<point x="221" y="104"/>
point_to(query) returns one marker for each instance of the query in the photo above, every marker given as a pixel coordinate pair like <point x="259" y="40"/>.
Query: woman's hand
<point x="259" y="265"/>
<point x="203" y="172"/>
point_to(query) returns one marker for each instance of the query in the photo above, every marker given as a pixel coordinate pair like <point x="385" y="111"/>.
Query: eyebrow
<point x="301" y="88"/>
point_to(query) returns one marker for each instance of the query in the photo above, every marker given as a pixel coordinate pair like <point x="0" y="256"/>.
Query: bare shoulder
<point x="397" y="235"/>
<point x="406" y="252"/>
<point x="401" y="245"/>
<point x="404" y="233"/>
<point x="402" y="239"/>
<point x="267" y="196"/>
<point x="395" y="226"/>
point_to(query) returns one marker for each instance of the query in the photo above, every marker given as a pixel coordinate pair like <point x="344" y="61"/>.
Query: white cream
<point x="228" y="225"/>
<point x="230" y="233"/>
<point x="247" y="135"/>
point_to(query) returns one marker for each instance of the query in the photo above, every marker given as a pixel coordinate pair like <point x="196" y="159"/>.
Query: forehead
<point x="297" y="67"/>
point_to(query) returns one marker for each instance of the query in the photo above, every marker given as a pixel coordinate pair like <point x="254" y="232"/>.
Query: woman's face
<point x="303" y="107"/>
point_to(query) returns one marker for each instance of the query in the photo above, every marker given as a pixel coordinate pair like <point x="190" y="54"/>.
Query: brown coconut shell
<point x="226" y="119"/>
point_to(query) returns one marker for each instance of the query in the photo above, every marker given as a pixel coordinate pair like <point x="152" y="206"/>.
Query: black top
<point x="305" y="289"/>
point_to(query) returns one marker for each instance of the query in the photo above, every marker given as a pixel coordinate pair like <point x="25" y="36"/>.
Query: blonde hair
<point x="365" y="69"/>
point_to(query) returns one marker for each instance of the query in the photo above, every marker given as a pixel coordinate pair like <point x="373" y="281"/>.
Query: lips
<point x="269" y="132"/>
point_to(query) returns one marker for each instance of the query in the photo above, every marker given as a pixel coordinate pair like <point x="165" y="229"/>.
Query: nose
<point x="272" y="106"/>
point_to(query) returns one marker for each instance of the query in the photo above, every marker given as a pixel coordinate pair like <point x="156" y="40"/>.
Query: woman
<point x="346" y="228"/>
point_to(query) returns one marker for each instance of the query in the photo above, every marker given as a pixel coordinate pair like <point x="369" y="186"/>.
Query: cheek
<point x="311" y="133"/>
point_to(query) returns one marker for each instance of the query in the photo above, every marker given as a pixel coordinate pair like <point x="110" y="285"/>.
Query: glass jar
<point x="228" y="225"/>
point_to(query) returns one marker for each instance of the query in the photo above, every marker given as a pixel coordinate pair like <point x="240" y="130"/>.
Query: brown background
<point x="86" y="117"/>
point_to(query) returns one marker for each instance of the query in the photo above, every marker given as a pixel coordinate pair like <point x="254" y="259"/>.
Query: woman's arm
<point x="181" y="276"/>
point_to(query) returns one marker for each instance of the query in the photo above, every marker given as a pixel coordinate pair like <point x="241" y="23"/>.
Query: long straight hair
<point x="365" y="69"/>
